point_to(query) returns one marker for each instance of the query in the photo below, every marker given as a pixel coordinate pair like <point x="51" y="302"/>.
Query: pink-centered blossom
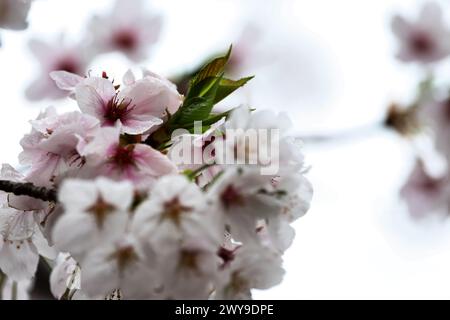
<point x="54" y="56"/>
<point x="51" y="148"/>
<point x="135" y="162"/>
<point x="137" y="106"/>
<point x="129" y="28"/>
<point x="425" y="40"/>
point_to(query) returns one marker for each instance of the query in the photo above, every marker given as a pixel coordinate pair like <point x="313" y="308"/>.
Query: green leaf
<point x="212" y="69"/>
<point x="228" y="86"/>
<point x="213" y="118"/>
<point x="196" y="108"/>
<point x="206" y="89"/>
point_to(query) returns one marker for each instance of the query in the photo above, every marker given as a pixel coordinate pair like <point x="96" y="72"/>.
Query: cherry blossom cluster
<point x="129" y="29"/>
<point x="103" y="201"/>
<point x="426" y="42"/>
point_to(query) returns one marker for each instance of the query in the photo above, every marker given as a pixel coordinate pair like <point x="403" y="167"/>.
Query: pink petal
<point x="66" y="80"/>
<point x="104" y="87"/>
<point x="153" y="162"/>
<point x="140" y="124"/>
<point x="129" y="78"/>
<point x="89" y="101"/>
<point x="41" y="50"/>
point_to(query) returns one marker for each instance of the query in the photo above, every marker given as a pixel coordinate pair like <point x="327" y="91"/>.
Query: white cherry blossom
<point x="135" y="162"/>
<point x="122" y="264"/>
<point x="253" y="267"/>
<point x="190" y="270"/>
<point x="95" y="214"/>
<point x="177" y="210"/>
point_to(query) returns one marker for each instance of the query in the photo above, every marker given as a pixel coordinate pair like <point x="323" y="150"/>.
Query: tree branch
<point x="28" y="189"/>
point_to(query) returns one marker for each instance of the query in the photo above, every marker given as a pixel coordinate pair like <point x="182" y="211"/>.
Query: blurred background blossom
<point x="331" y="64"/>
<point x="13" y="14"/>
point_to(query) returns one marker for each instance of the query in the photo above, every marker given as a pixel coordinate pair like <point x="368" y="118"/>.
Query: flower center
<point x="101" y="209"/>
<point x="124" y="156"/>
<point x="174" y="209"/>
<point x="422" y="43"/>
<point x="117" y="110"/>
<point x="67" y="64"/>
<point x="124" y="257"/>
<point x="231" y="197"/>
<point x="125" y="40"/>
<point x="431" y="185"/>
<point x="238" y="283"/>
<point x="188" y="259"/>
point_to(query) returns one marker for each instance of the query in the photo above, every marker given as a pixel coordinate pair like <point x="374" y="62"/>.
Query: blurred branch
<point x="28" y="189"/>
<point x="352" y="133"/>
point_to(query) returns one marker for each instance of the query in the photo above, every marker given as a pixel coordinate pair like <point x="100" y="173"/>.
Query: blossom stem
<point x="28" y="189"/>
<point x="192" y="174"/>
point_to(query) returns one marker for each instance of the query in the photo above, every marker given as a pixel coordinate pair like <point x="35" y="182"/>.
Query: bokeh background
<point x="331" y="65"/>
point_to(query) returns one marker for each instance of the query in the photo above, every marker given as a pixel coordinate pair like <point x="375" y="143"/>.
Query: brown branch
<point x="28" y="189"/>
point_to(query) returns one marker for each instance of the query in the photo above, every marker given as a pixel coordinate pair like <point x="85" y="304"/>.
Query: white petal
<point x="74" y="233"/>
<point x="119" y="194"/>
<point x="65" y="275"/>
<point x="42" y="246"/>
<point x="19" y="259"/>
<point x="100" y="275"/>
<point x="77" y="195"/>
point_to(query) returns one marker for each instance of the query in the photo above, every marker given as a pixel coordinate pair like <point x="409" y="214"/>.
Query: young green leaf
<point x="212" y="69"/>
<point x="228" y="86"/>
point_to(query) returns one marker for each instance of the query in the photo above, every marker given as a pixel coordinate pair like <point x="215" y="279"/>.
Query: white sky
<point x="357" y="241"/>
